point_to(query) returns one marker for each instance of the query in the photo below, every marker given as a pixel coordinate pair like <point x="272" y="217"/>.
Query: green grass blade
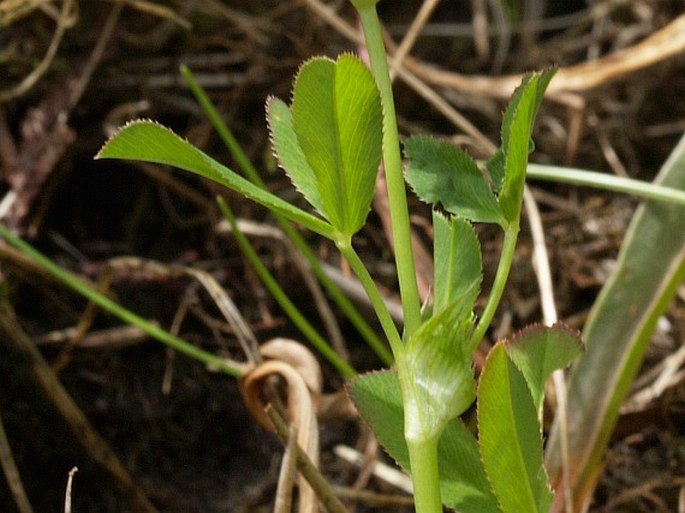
<point x="151" y="142"/>
<point x="116" y="309"/>
<point x="226" y="135"/>
<point x="606" y="182"/>
<point x="651" y="265"/>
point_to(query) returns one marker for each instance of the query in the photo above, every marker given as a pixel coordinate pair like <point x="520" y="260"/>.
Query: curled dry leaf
<point x="300" y="371"/>
<point x="299" y="357"/>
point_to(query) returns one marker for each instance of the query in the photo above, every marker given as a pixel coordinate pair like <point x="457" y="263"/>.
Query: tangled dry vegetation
<point x="151" y="431"/>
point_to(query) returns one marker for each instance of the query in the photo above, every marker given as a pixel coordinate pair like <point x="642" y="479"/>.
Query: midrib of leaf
<point x="520" y="434"/>
<point x="339" y="174"/>
<point x="499" y="387"/>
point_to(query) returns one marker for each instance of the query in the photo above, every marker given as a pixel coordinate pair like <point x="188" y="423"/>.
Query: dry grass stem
<point x="665" y="375"/>
<point x="665" y="43"/>
<point x="286" y="476"/>
<point x="223" y="302"/>
<point x="67" y="493"/>
<point x="111" y="338"/>
<point x="549" y="314"/>
<point x="419" y="21"/>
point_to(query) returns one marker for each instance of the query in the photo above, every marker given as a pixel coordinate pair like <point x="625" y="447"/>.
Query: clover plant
<point x="330" y="140"/>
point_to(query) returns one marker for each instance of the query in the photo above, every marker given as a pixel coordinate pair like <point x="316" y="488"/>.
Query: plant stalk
<point x="384" y="317"/>
<point x="506" y="258"/>
<point x="392" y="159"/>
<point x="423" y="458"/>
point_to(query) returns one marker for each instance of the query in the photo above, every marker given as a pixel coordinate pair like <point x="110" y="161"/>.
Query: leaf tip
<point x="130" y="124"/>
<point x="537" y="328"/>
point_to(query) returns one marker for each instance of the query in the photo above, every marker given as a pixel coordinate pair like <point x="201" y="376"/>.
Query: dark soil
<point x="180" y="429"/>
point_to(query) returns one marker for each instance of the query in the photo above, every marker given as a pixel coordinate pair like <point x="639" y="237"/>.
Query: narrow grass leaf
<point x="538" y="351"/>
<point x="510" y="437"/>
<point x="150" y="142"/>
<point x="458" y="267"/>
<point x="650" y="268"/>
<point x="441" y="173"/>
<point x="463" y="484"/>
<point x="338" y="121"/>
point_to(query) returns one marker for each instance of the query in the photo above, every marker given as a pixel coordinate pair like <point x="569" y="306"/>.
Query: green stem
<point x="423" y="458"/>
<point x="506" y="258"/>
<point x="282" y="298"/>
<point x="116" y="309"/>
<point x="606" y="182"/>
<point x="375" y="297"/>
<point x="250" y="171"/>
<point x="399" y="212"/>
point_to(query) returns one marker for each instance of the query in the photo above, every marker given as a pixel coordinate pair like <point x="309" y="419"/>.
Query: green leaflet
<point x="441" y="173"/>
<point x="538" y="351"/>
<point x="458" y="271"/>
<point x="517" y="127"/>
<point x="510" y="395"/>
<point x="288" y="151"/>
<point x="330" y="140"/>
<point x="151" y="142"/>
<point x="510" y="437"/>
